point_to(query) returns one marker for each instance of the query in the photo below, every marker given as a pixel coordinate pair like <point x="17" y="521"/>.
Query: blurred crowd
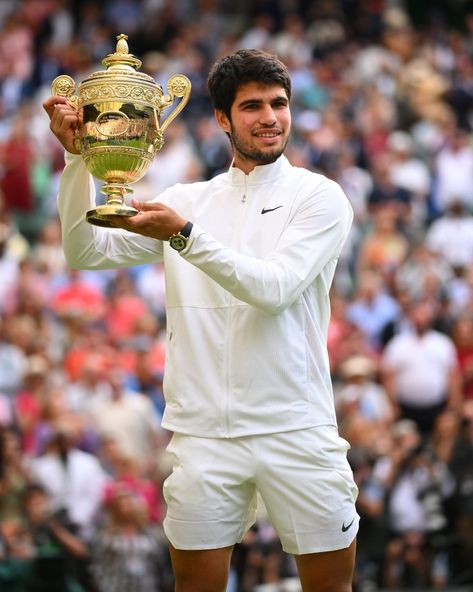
<point x="382" y="103"/>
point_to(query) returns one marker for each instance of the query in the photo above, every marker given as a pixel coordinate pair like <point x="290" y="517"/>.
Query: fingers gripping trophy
<point x="121" y="128"/>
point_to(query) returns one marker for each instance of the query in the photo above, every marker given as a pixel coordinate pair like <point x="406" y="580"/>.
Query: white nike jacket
<point x="247" y="300"/>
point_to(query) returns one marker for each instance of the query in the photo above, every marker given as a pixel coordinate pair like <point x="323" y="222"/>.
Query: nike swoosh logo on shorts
<point x="266" y="210"/>
<point x="345" y="528"/>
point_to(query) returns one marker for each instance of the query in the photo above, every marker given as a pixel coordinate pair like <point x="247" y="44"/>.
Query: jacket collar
<point x="260" y="174"/>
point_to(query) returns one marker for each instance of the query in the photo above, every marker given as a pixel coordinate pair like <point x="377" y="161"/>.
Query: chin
<point x="271" y="156"/>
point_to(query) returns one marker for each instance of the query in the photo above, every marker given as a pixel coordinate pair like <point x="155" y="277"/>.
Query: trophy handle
<point x="64" y="86"/>
<point x="178" y="86"/>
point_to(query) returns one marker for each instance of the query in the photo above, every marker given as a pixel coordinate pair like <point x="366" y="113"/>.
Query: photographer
<point x="420" y="483"/>
<point x="57" y="550"/>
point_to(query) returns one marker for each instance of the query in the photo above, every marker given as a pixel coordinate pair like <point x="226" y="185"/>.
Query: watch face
<point x="178" y="242"/>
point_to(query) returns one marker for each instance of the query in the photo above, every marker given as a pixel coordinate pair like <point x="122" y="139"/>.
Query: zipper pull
<point x="243" y="199"/>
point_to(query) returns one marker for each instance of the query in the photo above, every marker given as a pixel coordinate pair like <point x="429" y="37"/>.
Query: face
<point x="422" y="315"/>
<point x="259" y="125"/>
<point x="36" y="506"/>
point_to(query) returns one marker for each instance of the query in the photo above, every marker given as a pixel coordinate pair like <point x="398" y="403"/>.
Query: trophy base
<point x="103" y="215"/>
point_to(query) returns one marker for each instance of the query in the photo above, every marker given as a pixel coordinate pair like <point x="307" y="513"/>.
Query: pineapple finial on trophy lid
<point x="122" y="45"/>
<point x="121" y="59"/>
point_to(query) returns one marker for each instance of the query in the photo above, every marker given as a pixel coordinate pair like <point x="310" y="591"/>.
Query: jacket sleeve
<point x="91" y="247"/>
<point x="312" y="240"/>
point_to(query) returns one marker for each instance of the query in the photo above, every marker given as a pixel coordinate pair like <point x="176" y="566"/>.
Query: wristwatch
<point x="179" y="240"/>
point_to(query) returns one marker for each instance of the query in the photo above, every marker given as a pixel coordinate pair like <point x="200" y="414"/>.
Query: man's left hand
<point x="153" y="219"/>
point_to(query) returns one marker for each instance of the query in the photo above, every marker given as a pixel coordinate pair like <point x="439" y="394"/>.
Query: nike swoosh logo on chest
<point x="266" y="210"/>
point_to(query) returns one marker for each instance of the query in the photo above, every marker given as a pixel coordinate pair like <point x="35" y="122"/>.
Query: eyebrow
<point x="255" y="101"/>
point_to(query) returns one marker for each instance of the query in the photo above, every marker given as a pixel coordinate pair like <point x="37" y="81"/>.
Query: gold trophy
<point x="121" y="128"/>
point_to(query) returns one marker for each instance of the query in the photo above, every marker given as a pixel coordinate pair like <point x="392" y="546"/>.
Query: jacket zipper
<point x="241" y="211"/>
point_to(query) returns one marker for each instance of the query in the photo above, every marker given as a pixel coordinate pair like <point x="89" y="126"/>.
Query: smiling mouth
<point x="268" y="134"/>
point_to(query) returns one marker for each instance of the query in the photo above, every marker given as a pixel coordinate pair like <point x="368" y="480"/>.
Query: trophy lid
<point x="120" y="64"/>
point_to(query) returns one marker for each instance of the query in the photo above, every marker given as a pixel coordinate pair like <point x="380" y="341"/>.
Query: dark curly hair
<point x="246" y="65"/>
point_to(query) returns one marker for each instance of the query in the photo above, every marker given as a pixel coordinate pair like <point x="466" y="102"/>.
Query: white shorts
<point x="303" y="477"/>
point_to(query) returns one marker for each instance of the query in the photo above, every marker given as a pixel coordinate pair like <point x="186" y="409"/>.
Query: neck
<point x="247" y="165"/>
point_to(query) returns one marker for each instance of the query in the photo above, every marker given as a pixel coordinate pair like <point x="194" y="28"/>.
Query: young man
<point x="249" y="256"/>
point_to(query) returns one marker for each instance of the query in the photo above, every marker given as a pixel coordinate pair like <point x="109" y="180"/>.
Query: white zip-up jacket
<point x="247" y="299"/>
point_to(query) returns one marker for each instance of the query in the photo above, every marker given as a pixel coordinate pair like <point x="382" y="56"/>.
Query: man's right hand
<point x="65" y="121"/>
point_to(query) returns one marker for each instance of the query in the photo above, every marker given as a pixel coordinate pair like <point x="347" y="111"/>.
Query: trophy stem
<point x="115" y="193"/>
<point x="115" y="206"/>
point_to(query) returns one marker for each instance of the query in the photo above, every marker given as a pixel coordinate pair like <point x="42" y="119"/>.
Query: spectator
<point x="462" y="335"/>
<point x="73" y="479"/>
<point x="146" y="346"/>
<point x="412" y="174"/>
<point x="384" y="248"/>
<point x="129" y="475"/>
<point x="23" y="331"/>
<point x="16" y="245"/>
<point x="28" y="401"/>
<point x="90" y="385"/>
<point x="258" y="34"/>
<point x="359" y="393"/>
<point x="126" y="553"/>
<point x="124" y="308"/>
<point x="421" y="266"/>
<point x="9" y="268"/>
<point x="385" y="191"/>
<point x="78" y="297"/>
<point x="56" y="416"/>
<point x="30" y="298"/>
<point x="445" y="432"/>
<point x="372" y="307"/>
<point x="14" y="475"/>
<point x="17" y="156"/>
<point x="16" y="59"/>
<point x="291" y="42"/>
<point x="12" y="364"/>
<point x="146" y="377"/>
<point x="85" y="338"/>
<point x="128" y="417"/>
<point x="451" y="235"/>
<point x="47" y="253"/>
<point x="357" y="184"/>
<point x="454" y="170"/>
<point x="16" y="556"/>
<point x="419" y="367"/>
<point x="6" y="411"/>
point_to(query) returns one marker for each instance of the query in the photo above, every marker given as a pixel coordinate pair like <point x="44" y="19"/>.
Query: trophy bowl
<point x="121" y="128"/>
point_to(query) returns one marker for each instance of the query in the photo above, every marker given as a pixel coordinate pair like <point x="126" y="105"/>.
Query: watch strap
<point x="186" y="229"/>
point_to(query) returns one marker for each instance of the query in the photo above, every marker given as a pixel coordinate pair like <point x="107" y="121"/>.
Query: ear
<point x="222" y="120"/>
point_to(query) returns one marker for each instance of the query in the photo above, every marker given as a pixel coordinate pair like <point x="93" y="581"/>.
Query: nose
<point x="267" y="116"/>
